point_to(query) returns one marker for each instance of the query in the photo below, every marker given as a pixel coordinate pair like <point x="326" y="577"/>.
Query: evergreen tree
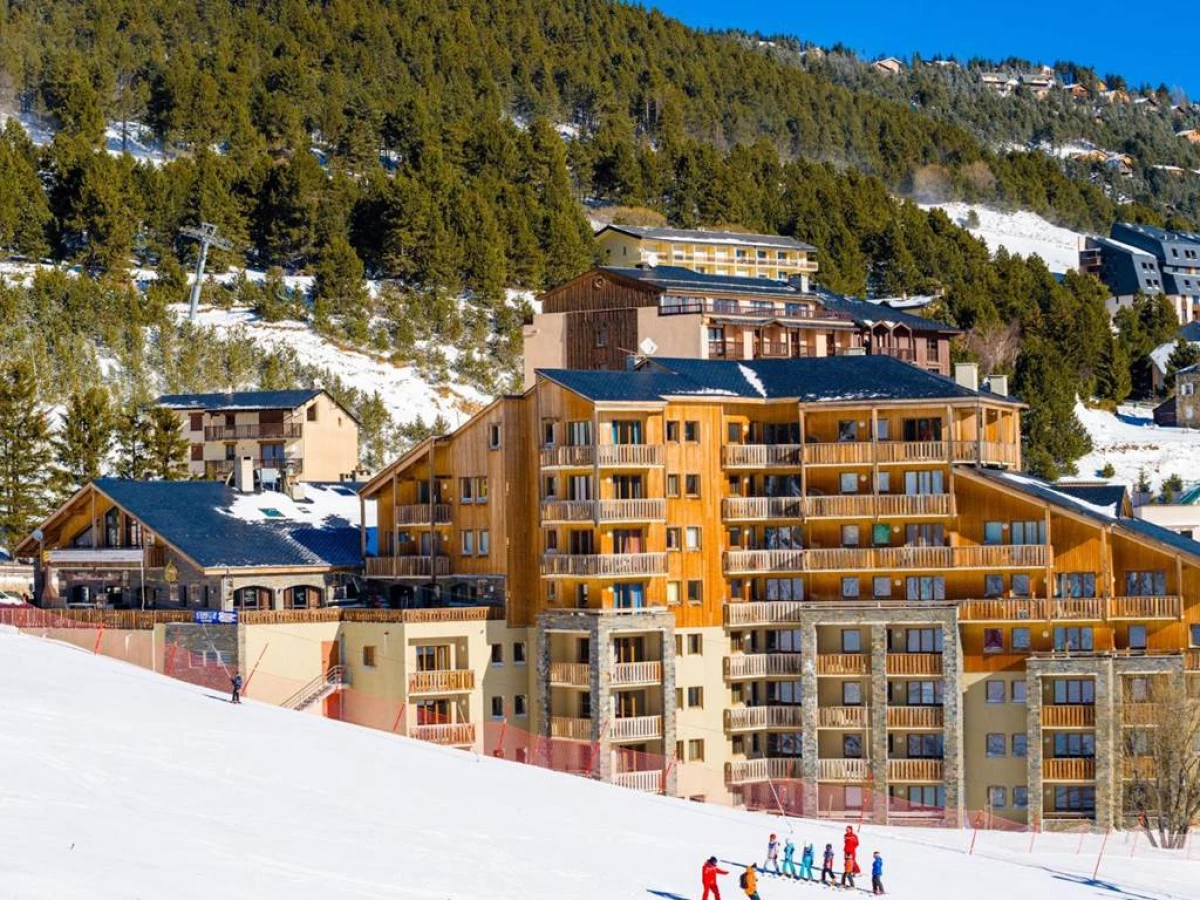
<point x="24" y="452"/>
<point x="1054" y="436"/>
<point x="1183" y="355"/>
<point x="1114" y="380"/>
<point x="338" y="289"/>
<point x="133" y="436"/>
<point x="82" y="442"/>
<point x="376" y="441"/>
<point x="166" y="446"/>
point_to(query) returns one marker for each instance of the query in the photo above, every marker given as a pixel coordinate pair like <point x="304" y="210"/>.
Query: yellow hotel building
<point x="825" y="572"/>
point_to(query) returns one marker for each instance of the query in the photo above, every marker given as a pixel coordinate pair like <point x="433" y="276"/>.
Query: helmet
<point x="772" y="837"/>
<point x="713" y="860"/>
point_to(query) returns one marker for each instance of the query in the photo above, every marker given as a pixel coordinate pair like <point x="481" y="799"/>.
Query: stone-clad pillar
<point x="809" y="708"/>
<point x="600" y="651"/>
<point x="952" y="724"/>
<point x="1106" y="750"/>
<point x="877" y="752"/>
<point x="667" y="636"/>
<point x="1033" y="746"/>
<point x="542" y="662"/>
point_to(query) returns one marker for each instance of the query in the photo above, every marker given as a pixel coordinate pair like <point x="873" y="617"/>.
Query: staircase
<point x="318" y="689"/>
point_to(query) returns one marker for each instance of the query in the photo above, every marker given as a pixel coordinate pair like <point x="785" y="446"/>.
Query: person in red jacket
<point x="850" y="858"/>
<point x="708" y="875"/>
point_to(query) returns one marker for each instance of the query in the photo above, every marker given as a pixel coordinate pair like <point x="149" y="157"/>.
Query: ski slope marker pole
<point x="1096" y="871"/>
<point x="399" y="716"/>
<point x="499" y="751"/>
<point x="168" y="666"/>
<point x="1032" y="837"/>
<point x="775" y="794"/>
<point x="250" y="677"/>
<point x="1082" y="832"/>
<point x="99" y="638"/>
<point x="975" y="834"/>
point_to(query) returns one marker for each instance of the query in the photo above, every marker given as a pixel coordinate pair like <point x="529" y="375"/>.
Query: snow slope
<point x="1132" y="442"/>
<point x="1022" y="233"/>
<point x="118" y="783"/>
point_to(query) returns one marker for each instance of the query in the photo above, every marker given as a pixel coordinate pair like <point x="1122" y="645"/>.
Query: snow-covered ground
<point x="1132" y="442"/>
<point x="1022" y="233"/>
<point x="118" y="783"/>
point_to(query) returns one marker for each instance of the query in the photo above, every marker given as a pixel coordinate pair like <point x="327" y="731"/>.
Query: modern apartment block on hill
<point x="823" y="571"/>
<point x="1141" y="259"/>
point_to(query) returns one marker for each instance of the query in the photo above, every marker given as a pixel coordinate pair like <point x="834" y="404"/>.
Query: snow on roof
<point x="753" y="380"/>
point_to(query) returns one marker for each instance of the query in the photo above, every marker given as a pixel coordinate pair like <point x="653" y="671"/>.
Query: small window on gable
<point x="311" y="413"/>
<point x="494" y="436"/>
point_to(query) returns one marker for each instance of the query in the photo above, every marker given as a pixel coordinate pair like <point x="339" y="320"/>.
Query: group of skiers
<point x="748" y="881"/>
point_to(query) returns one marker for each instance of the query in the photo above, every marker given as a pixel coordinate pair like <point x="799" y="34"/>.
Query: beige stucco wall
<point x="707" y="778"/>
<point x="676" y="336"/>
<point x="981" y="718"/>
<point x="329" y="445"/>
<point x="545" y="346"/>
<point x="284" y="658"/>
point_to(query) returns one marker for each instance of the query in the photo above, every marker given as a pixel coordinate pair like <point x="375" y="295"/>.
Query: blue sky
<point x="1110" y="36"/>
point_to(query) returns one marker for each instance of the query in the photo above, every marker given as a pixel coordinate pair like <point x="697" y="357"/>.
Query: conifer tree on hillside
<point x="83" y="441"/>
<point x="1054" y="436"/>
<point x="1114" y="380"/>
<point x="24" y="210"/>
<point x="1183" y="355"/>
<point x="24" y="453"/>
<point x="166" y="446"/>
<point x="376" y="442"/>
<point x="133" y="434"/>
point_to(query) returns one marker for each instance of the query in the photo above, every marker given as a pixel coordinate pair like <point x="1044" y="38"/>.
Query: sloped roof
<point x="706" y="236"/>
<point x="240" y="400"/>
<point x="216" y="526"/>
<point x="867" y="313"/>
<point x="808" y="380"/>
<point x="1109" y="496"/>
<point x="677" y="278"/>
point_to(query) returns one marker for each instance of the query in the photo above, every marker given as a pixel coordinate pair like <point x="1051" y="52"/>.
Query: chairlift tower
<point x="206" y="235"/>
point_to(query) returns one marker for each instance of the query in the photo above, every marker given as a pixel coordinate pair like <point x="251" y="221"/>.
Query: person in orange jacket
<point x="708" y="876"/>
<point x="750" y="882"/>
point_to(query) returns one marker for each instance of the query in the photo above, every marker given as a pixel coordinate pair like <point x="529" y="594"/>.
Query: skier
<point x="772" y="854"/>
<point x="827" y="866"/>
<point x="850" y="851"/>
<point x="708" y="876"/>
<point x="236" y="681"/>
<point x="789" y="865"/>
<point x="877" y="874"/>
<point x="749" y="882"/>
<point x="806" y="863"/>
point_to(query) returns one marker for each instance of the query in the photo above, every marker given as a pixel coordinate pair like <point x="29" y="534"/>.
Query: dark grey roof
<point x="695" y="235"/>
<point x="809" y="380"/>
<point x="1154" y="233"/>
<point x="866" y="313"/>
<point x="197" y="518"/>
<point x="1190" y="332"/>
<point x="680" y="279"/>
<point x="240" y="400"/>
<point x="1110" y="496"/>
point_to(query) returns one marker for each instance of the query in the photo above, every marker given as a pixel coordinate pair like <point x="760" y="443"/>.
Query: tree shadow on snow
<point x="1114" y="890"/>
<point x="666" y="895"/>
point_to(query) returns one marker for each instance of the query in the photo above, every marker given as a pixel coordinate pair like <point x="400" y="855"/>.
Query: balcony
<point x="761" y="456"/>
<point x="757" y="718"/>
<point x="1018" y="609"/>
<point x="844" y="453"/>
<point x="682" y="306"/>
<point x="639" y="510"/>
<point x="914" y="770"/>
<point x="915" y="718"/>
<point x="220" y="469"/>
<point x="1191" y="660"/>
<point x="423" y="514"/>
<point x="840" y="506"/>
<point x="763" y="665"/>
<point x="1144" y="715"/>
<point x="843" y="665"/>
<point x="746" y="771"/>
<point x="636" y="728"/>
<point x="263" y="431"/>
<point x="911" y="451"/>
<point x="460" y="735"/>
<point x="598" y="565"/>
<point x="1082" y="715"/>
<point x="1167" y="607"/>
<point x="765" y="561"/>
<point x="842" y="769"/>
<point x="407" y="566"/>
<point x="757" y="508"/>
<point x="987" y="453"/>
<point x="636" y="673"/>
<point x="839" y="558"/>
<point x="572" y="729"/>
<point x="910" y="505"/>
<point x="606" y="456"/>
<point x="1139" y="768"/>
<point x="441" y="681"/>
<point x="916" y="557"/>
<point x="905" y="353"/>
<point x="1069" y="769"/>
<point x="151" y="557"/>
<point x="849" y="718"/>
<point x="1079" y="609"/>
<point x="765" y="612"/>
<point x="650" y="781"/>
<point x="570" y="674"/>
<point x="999" y="556"/>
<point x="901" y="664"/>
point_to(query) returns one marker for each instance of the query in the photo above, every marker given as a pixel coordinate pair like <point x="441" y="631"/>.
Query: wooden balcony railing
<point x="625" y="674"/>
<point x="1191" y="660"/>
<point x="754" y="718"/>
<point x="1083" y="609"/>
<point x="746" y="771"/>
<point x="1143" y="714"/>
<point x="1013" y="609"/>
<point x="911" y="451"/>
<point x="573" y="729"/>
<point x="912" y="770"/>
<point x="1021" y="556"/>
<point x="406" y="566"/>
<point x="568" y="510"/>
<point x="914" y="664"/>
<point x="851" y="717"/>
<point x="1082" y="715"/>
<point x="639" y="510"/>
<point x="573" y="674"/>
<point x="848" y="664"/>
<point x="650" y="781"/>
<point x="915" y="557"/>
<point x="914" y="718"/>
<point x="743" y="561"/>
<point x="838" y="558"/>
<point x="763" y="612"/>
<point x="755" y="456"/>
<point x="597" y="565"/>
<point x="988" y="453"/>
<point x="735" y="508"/>
<point x="1139" y="768"/>
<point x="636" y="728"/>
<point x="763" y="665"/>
<point x="1167" y="607"/>
<point x="906" y="505"/>
<point x="459" y="735"/>
<point x="842" y="769"/>
<point x="423" y="514"/>
<point x="604" y="455"/>
<point x="260" y="431"/>
<point x="442" y="681"/>
<point x="840" y="506"/>
<point x="568" y="457"/>
<point x="839" y="454"/>
<point x="1072" y="769"/>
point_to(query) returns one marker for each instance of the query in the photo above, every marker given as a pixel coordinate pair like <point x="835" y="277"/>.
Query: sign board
<point x="214" y="617"/>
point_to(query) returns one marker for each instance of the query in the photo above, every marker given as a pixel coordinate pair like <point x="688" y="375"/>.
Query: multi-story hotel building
<point x="302" y="433"/>
<point x="604" y="317"/>
<point x="822" y="572"/>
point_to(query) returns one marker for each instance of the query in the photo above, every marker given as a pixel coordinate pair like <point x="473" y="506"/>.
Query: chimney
<point x="998" y="384"/>
<point x="295" y="490"/>
<point x="967" y="375"/>
<point x="243" y="475"/>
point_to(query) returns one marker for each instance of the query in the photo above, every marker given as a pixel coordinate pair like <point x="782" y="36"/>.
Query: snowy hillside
<point x="117" y="783"/>
<point x="1131" y="442"/>
<point x="1022" y="233"/>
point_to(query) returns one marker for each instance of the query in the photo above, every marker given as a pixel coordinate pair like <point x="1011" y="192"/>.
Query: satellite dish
<point x="648" y="347"/>
<point x="38" y="535"/>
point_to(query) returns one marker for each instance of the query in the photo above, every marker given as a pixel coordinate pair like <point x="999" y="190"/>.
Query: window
<point x="1075" y="799"/>
<point x="996" y="745"/>
<point x="924" y="693"/>
<point x="481" y="489"/>
<point x="551" y="542"/>
<point x="695" y="644"/>
<point x="548" y="432"/>
<point x="1018" y="691"/>
<point x="695" y="591"/>
<point x="520" y="705"/>
<point x="852" y="746"/>
<point x="468" y="543"/>
<point x="1021" y="639"/>
<point x="497" y="707"/>
<point x="1076" y="584"/>
<point x="1194" y="635"/>
<point x="692" y="485"/>
<point x="231" y="451"/>
<point x="518" y="653"/>
<point x="923" y="640"/>
<point x="1020" y="797"/>
<point x="695" y="698"/>
<point x="672" y="431"/>
<point x="693" y="537"/>
<point x="733" y="433"/>
<point x="850" y="587"/>
<point x="368" y="657"/>
<point x="1074" y="691"/>
<point x="851" y="640"/>
<point x="551" y="487"/>
<point x="601" y="336"/>
<point x="928" y="587"/>
<point x="993" y="640"/>
<point x="925" y="746"/>
<point x="849" y="535"/>
<point x="1139" y="689"/>
<point x="881" y="534"/>
<point x="1137" y="637"/>
<point x="995" y="692"/>
<point x="672" y="593"/>
<point x="993" y="585"/>
<point x="1073" y="744"/>
<point x="678" y="640"/>
<point x="784" y="641"/>
<point x="672" y="485"/>
<point x="691" y="432"/>
<point x="881" y="587"/>
<point x="494" y="436"/>
<point x="993" y="533"/>
<point x="673" y="537"/>
<point x="997" y="797"/>
<point x="464" y="490"/>
<point x="197" y="452"/>
<point x="847" y="430"/>
<point x="484" y="543"/>
<point x="1145" y="584"/>
<point x="1073" y="637"/>
<point x="497" y="654"/>
<point x="1032" y="532"/>
<point x="848" y="483"/>
<point x="311" y="413"/>
<point x="852" y="693"/>
<point x="1020" y="586"/>
<point x="695" y="748"/>
<point x="1020" y="745"/>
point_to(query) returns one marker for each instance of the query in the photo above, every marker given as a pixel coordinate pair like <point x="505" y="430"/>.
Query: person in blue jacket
<point x="236" y="683"/>
<point x="806" y="862"/>
<point x="789" y="864"/>
<point x="827" y="866"/>
<point x="877" y="873"/>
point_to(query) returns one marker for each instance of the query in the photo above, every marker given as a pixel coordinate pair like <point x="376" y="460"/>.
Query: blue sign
<point x="214" y="617"/>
